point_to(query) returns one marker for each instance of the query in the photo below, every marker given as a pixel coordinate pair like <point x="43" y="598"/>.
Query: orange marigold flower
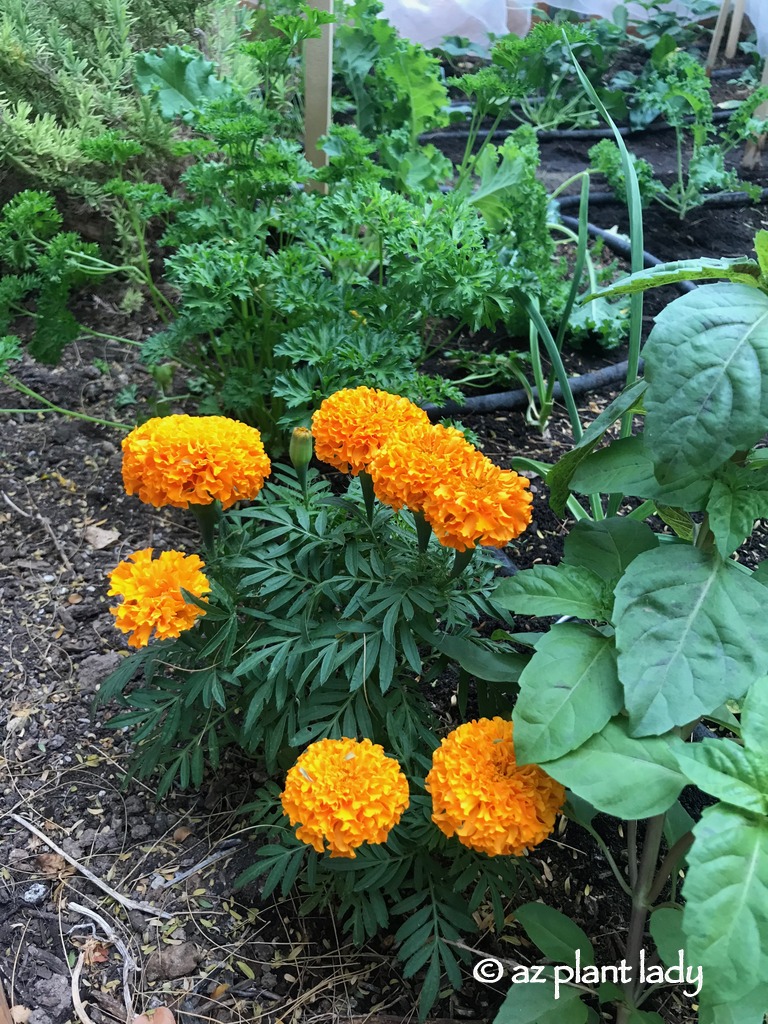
<point x="406" y="467"/>
<point x="481" y="795"/>
<point x="345" y="793"/>
<point x="478" y="503"/>
<point x="151" y="593"/>
<point x="351" y="425"/>
<point x="183" y="460"/>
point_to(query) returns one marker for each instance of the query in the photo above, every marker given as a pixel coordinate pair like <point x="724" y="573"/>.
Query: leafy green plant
<point x="662" y="24"/>
<point x="679" y="90"/>
<point x="668" y="632"/>
<point x="536" y="75"/>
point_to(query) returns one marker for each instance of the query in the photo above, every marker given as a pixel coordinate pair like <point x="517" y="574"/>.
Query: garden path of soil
<point x="222" y="955"/>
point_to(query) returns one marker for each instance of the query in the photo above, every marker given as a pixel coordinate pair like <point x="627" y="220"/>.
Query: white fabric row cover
<point x="429" y="21"/>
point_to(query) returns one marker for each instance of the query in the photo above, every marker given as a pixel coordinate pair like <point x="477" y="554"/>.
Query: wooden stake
<point x="717" y="35"/>
<point x="318" y="77"/>
<point x="736" y="23"/>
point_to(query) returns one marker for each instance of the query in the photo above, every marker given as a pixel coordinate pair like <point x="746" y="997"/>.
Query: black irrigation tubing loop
<point x="719" y="200"/>
<point x="565" y="134"/>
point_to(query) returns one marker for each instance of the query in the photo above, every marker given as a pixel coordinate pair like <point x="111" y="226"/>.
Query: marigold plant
<point x="407" y="466"/>
<point x="344" y="793"/>
<point x="478" y="503"/>
<point x="480" y="794"/>
<point x="183" y="460"/>
<point x="151" y="593"/>
<point x="351" y="425"/>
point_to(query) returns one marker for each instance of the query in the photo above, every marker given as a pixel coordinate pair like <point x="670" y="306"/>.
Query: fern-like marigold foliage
<point x="351" y="425"/>
<point x="151" y="593"/>
<point x="194" y="460"/>
<point x="481" y="795"/>
<point x="344" y="793"/>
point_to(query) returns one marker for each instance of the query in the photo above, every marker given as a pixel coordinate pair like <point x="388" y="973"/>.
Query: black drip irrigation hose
<point x="719" y="200"/>
<point x="565" y="134"/>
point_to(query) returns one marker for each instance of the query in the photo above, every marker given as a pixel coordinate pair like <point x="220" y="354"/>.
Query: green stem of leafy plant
<point x="669" y="864"/>
<point x="609" y="858"/>
<point x="109" y="337"/>
<point x="556" y="359"/>
<point x="642" y="512"/>
<point x="521" y="463"/>
<point x="640" y="905"/>
<point x="13" y="382"/>
<point x="568" y="182"/>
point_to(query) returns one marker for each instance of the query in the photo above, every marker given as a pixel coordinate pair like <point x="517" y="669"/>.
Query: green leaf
<point x="626" y="467"/>
<point x="678" y="519"/>
<point x="535" y="1003"/>
<point x="725" y="770"/>
<point x="608" y="546"/>
<point x="761" y="250"/>
<point x="556" y="590"/>
<point x="741" y="269"/>
<point x="414" y="73"/>
<point x="726" y="893"/>
<point x="179" y="80"/>
<point x="666" y="927"/>
<point x="501" y="171"/>
<point x="494" y="666"/>
<point x="568" y="691"/>
<point x="690" y="632"/>
<point x="754" y="717"/>
<point x="629" y="778"/>
<point x="738" y="497"/>
<point x="559" y="476"/>
<point x="706" y="363"/>
<point x="749" y="1010"/>
<point x="555" y="935"/>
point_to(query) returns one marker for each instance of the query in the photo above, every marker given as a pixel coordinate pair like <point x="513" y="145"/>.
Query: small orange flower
<point x="480" y="794"/>
<point x="151" y="592"/>
<point x="409" y="464"/>
<point x="183" y="460"/>
<point x="344" y="793"/>
<point x="478" y="503"/>
<point x="351" y="425"/>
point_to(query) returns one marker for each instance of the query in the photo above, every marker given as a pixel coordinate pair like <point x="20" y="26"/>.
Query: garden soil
<point x="207" y="951"/>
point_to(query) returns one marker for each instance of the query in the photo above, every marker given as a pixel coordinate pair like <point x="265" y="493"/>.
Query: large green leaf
<point x="738" y="497"/>
<point x="626" y="467"/>
<point x="179" y="80"/>
<point x="706" y="364"/>
<point x="740" y="269"/>
<point x="726" y="911"/>
<point x="754" y="716"/>
<point x="414" y="74"/>
<point x="690" y="631"/>
<point x="607" y="546"/>
<point x="556" y="590"/>
<point x="568" y="692"/>
<point x="559" y="476"/>
<point x="727" y="771"/>
<point x="534" y="1003"/>
<point x="501" y="171"/>
<point x="557" y="936"/>
<point x="749" y="1010"/>
<point x="629" y="778"/>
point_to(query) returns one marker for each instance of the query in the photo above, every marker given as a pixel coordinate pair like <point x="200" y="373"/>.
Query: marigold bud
<point x="300" y="448"/>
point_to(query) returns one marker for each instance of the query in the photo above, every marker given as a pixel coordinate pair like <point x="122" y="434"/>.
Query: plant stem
<point x="16" y="384"/>
<point x="669" y="864"/>
<point x="423" y="530"/>
<point x="366" y="483"/>
<point x="640" y="901"/>
<point x="460" y="561"/>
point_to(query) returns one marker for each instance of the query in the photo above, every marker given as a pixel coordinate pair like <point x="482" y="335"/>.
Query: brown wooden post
<point x="753" y="151"/>
<point x="736" y="23"/>
<point x="717" y="35"/>
<point x="318" y="75"/>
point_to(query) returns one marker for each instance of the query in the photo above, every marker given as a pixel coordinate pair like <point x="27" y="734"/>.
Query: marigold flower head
<point x="406" y="467"/>
<point x="344" y="793"/>
<point x="151" y="593"/>
<point x="351" y="425"/>
<point x="481" y="795"/>
<point x="478" y="503"/>
<point x="183" y="460"/>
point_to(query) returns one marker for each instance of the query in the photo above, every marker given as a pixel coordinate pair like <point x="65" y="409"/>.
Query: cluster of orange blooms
<point x="429" y="469"/>
<point x="180" y="461"/>
<point x="346" y="793"/>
